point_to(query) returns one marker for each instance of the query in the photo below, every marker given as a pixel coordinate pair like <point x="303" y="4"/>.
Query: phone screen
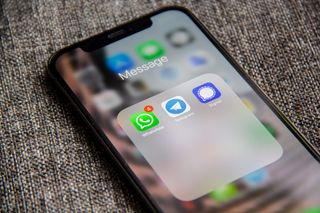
<point x="196" y="135"/>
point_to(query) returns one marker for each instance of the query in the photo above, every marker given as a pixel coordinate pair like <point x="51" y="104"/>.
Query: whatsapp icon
<point x="144" y="120"/>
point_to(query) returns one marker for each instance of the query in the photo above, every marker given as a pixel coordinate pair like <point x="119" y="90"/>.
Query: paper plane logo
<point x="175" y="106"/>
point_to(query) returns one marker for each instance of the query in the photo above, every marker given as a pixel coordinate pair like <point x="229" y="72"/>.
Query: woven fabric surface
<point x="49" y="160"/>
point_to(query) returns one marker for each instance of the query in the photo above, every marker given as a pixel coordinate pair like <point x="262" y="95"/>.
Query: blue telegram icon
<point x="175" y="106"/>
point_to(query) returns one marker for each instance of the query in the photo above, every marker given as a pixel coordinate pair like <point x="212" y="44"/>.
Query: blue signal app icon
<point x="206" y="92"/>
<point x="119" y="63"/>
<point x="175" y="106"/>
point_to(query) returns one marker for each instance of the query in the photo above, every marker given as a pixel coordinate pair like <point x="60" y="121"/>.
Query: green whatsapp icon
<point x="144" y="120"/>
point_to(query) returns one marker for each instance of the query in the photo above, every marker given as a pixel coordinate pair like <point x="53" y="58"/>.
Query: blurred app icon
<point x="227" y="80"/>
<point x="270" y="129"/>
<point x="168" y="73"/>
<point x="248" y="104"/>
<point x="188" y="205"/>
<point x="256" y="178"/>
<point x="179" y="37"/>
<point x="150" y="50"/>
<point x="107" y="100"/>
<point x="119" y="63"/>
<point x="143" y="121"/>
<point x="175" y="106"/>
<point x="206" y="92"/>
<point x="137" y="88"/>
<point x="199" y="59"/>
<point x="311" y="210"/>
<point x="91" y="77"/>
<point x="225" y="193"/>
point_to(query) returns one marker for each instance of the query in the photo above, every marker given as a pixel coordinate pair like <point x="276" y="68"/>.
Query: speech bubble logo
<point x="144" y="120"/>
<point x="206" y="93"/>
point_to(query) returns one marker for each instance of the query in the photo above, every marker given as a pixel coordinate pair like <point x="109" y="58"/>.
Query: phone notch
<point x="116" y="34"/>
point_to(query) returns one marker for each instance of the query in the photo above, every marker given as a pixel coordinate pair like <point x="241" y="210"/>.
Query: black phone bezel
<point x="54" y="74"/>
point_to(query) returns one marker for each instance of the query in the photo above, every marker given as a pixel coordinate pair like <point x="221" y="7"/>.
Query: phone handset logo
<point x="144" y="120"/>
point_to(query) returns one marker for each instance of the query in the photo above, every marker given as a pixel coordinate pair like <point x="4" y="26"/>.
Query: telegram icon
<point x="175" y="106"/>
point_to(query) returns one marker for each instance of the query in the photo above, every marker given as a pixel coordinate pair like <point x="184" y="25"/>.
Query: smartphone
<point x="184" y="122"/>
